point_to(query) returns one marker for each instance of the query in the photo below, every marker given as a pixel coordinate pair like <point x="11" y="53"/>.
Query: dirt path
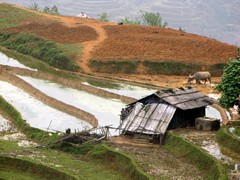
<point x="71" y="22"/>
<point x="89" y="46"/>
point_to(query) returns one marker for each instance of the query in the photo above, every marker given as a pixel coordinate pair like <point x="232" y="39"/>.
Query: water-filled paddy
<point x="127" y="90"/>
<point x="7" y="61"/>
<point x="37" y="114"/>
<point x="107" y="111"/>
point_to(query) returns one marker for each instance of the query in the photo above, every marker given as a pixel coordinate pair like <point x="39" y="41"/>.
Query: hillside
<point x="99" y="47"/>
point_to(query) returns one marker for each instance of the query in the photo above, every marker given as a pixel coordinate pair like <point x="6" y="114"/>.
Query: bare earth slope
<point x="108" y="41"/>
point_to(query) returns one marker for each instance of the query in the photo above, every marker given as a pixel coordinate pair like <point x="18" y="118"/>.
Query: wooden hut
<point x="168" y="109"/>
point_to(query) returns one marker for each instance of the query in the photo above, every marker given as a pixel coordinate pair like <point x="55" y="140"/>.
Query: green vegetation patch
<point x="237" y="131"/>
<point x="38" y="48"/>
<point x="225" y="138"/>
<point x="41" y="66"/>
<point x="217" y="69"/>
<point x="170" y="67"/>
<point x="128" y="67"/>
<point x="12" y="16"/>
<point x="209" y="165"/>
<point x="111" y="159"/>
<point x="29" y="169"/>
<point x="71" y="50"/>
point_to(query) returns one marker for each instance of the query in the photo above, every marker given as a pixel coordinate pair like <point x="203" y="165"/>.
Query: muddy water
<point x="127" y="90"/>
<point x="37" y="114"/>
<point x="7" y="61"/>
<point x="107" y="111"/>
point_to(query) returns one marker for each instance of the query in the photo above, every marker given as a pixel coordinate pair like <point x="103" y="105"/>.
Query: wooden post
<point x="161" y="139"/>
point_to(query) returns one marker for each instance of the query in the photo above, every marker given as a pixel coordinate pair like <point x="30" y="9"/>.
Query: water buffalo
<point x="204" y="75"/>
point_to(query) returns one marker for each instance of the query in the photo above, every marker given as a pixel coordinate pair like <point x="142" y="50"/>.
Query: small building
<point x="153" y="115"/>
<point x="83" y="15"/>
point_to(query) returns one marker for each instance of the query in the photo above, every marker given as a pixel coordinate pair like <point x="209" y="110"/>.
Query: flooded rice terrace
<point x="7" y="61"/>
<point x="127" y="90"/>
<point x="37" y="114"/>
<point x="107" y="111"/>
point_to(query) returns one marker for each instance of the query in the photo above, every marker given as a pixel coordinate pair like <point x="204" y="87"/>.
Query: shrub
<point x="230" y="83"/>
<point x="170" y="68"/>
<point x="128" y="67"/>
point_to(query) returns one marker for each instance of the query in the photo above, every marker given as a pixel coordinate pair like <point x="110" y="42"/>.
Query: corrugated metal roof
<point x="185" y="98"/>
<point x="150" y="119"/>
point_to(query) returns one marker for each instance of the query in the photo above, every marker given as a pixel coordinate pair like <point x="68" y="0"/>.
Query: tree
<point x="129" y="21"/>
<point x="54" y="10"/>
<point x="152" y="19"/>
<point x="47" y="10"/>
<point x="230" y="83"/>
<point x="34" y="6"/>
<point x="104" y="17"/>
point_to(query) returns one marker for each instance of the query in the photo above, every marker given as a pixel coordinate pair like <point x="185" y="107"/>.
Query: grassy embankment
<point x="38" y="48"/>
<point x="225" y="138"/>
<point x="205" y="162"/>
<point x="152" y="68"/>
<point x="12" y="16"/>
<point x="14" y="168"/>
<point x="100" y="153"/>
<point x="55" y="54"/>
<point x="43" y="67"/>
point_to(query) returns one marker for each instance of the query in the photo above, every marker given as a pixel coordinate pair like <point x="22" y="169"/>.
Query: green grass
<point x="23" y="168"/>
<point x="12" y="17"/>
<point x="71" y="50"/>
<point x="120" y="167"/>
<point x="38" y="48"/>
<point x="170" y="68"/>
<point x="128" y="67"/>
<point x="209" y="165"/>
<point x="225" y="138"/>
<point x="237" y="131"/>
<point x="102" y="154"/>
<point x="78" y="165"/>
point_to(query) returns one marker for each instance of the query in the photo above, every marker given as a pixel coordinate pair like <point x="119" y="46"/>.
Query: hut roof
<point x="183" y="98"/>
<point x="154" y="118"/>
<point x="151" y="119"/>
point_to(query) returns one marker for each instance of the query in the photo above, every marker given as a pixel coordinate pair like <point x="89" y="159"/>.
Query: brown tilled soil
<point x="58" y="32"/>
<point x="129" y="42"/>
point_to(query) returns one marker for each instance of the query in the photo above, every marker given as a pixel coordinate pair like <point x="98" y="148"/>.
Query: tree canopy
<point x="230" y="83"/>
<point x="34" y="6"/>
<point x="126" y="20"/>
<point x="152" y="19"/>
<point x="104" y="17"/>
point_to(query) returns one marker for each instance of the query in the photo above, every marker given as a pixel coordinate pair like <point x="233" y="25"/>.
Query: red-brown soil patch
<point x="59" y="33"/>
<point x="160" y="44"/>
